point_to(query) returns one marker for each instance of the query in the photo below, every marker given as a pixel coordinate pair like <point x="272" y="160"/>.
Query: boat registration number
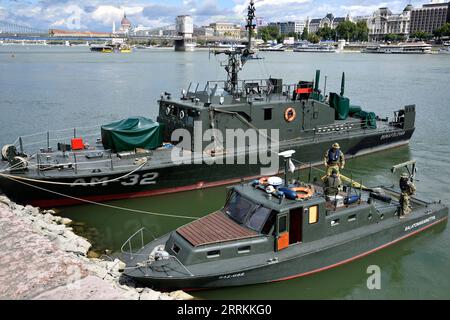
<point x="132" y="180"/>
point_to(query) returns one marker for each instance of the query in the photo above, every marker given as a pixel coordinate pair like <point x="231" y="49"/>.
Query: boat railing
<point x="130" y="251"/>
<point x="246" y="88"/>
<point x="140" y="237"/>
<point x="48" y="140"/>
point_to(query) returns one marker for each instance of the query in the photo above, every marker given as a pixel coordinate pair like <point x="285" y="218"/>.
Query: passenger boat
<point x="134" y="157"/>
<point x="272" y="230"/>
<point x="320" y="48"/>
<point x="445" y="50"/>
<point x="406" y="48"/>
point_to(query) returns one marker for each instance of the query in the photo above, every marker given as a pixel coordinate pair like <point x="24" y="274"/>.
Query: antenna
<point x="238" y="57"/>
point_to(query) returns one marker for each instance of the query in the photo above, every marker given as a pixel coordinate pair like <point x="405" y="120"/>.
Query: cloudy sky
<point x="98" y="15"/>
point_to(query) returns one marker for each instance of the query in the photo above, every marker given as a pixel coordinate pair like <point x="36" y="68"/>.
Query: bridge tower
<point x="184" y="29"/>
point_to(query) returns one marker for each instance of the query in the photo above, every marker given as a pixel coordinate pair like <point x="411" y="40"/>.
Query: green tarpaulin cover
<point x="132" y="133"/>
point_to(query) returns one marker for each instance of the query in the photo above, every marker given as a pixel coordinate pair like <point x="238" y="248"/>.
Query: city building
<point x="384" y="22"/>
<point x="328" y="21"/>
<point x="204" y="31"/>
<point x="289" y="27"/>
<point x="226" y="30"/>
<point x="125" y="25"/>
<point x="430" y="17"/>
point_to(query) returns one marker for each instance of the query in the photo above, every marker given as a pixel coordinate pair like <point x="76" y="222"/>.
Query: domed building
<point x="125" y="25"/>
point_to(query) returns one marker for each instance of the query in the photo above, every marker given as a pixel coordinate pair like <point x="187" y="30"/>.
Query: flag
<point x="291" y="166"/>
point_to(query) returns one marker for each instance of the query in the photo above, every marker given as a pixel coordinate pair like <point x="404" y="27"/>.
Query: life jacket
<point x="334" y="155"/>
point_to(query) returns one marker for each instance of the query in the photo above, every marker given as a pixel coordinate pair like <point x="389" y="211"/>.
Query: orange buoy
<point x="290" y="114"/>
<point x="264" y="181"/>
<point x="304" y="193"/>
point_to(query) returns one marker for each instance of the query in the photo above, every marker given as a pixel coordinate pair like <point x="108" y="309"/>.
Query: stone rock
<point x="92" y="254"/>
<point x="149" y="294"/>
<point x="66" y="221"/>
<point x="180" y="295"/>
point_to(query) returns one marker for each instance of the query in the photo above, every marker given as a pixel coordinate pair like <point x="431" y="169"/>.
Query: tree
<point x="326" y="33"/>
<point x="361" y="32"/>
<point x="305" y="34"/>
<point x="443" y="31"/>
<point x="420" y="35"/>
<point x="269" y="33"/>
<point x="313" y="38"/>
<point x="346" y="30"/>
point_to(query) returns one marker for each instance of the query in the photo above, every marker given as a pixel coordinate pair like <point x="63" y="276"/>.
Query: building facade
<point x="430" y="17"/>
<point x="329" y="21"/>
<point x="226" y="30"/>
<point x="290" y="27"/>
<point x="384" y="22"/>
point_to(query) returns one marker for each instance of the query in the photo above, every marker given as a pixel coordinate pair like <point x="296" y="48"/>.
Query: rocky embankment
<point x="42" y="258"/>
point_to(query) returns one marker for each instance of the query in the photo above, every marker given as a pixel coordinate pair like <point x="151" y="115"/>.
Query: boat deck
<point x="214" y="228"/>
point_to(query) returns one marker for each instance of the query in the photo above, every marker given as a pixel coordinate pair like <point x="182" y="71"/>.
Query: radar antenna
<point x="237" y="57"/>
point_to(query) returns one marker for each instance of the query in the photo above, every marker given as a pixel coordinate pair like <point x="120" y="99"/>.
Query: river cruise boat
<point x="134" y="157"/>
<point x="270" y="230"/>
<point x="407" y="48"/>
<point x="320" y="48"/>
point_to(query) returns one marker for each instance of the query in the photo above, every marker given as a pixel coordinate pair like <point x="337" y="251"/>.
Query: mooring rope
<point x="103" y="204"/>
<point x="75" y="184"/>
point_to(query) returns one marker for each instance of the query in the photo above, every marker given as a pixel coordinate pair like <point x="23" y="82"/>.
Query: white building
<point x="384" y="22"/>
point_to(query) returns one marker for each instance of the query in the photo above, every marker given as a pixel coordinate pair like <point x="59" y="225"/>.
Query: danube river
<point x="63" y="87"/>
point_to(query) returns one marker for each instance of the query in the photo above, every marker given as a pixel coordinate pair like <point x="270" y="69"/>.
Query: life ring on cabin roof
<point x="290" y="114"/>
<point x="264" y="181"/>
<point x="304" y="193"/>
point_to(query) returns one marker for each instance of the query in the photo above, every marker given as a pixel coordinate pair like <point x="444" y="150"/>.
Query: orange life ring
<point x="264" y="181"/>
<point x="290" y="114"/>
<point x="304" y="193"/>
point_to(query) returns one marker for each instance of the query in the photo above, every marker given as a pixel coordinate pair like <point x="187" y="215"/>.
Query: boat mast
<point x="238" y="57"/>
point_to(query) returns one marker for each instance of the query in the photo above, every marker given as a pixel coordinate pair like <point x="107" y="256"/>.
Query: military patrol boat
<point x="133" y="157"/>
<point x="271" y="231"/>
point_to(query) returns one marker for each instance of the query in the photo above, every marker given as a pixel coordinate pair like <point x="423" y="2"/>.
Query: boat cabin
<point x="254" y="221"/>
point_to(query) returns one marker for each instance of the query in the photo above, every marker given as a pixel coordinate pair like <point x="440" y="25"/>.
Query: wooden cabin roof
<point x="214" y="228"/>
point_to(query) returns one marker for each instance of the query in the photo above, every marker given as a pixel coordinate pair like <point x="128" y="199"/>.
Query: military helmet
<point x="405" y="175"/>
<point x="336" y="146"/>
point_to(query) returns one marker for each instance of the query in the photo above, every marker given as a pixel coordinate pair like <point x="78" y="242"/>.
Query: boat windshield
<point x="238" y="207"/>
<point x="244" y="212"/>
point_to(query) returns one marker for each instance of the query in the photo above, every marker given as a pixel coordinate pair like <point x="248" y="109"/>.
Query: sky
<point x="98" y="15"/>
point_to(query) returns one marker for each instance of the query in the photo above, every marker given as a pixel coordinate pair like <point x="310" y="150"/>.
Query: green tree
<point x="443" y="31"/>
<point x="346" y="30"/>
<point x="361" y="31"/>
<point x="269" y="33"/>
<point x="326" y="33"/>
<point x="313" y="38"/>
<point x="420" y="35"/>
<point x="305" y="34"/>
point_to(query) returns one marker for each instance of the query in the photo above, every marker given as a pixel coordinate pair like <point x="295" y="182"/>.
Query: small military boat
<point x="270" y="230"/>
<point x="134" y="157"/>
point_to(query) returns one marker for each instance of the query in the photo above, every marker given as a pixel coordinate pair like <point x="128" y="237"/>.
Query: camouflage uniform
<point x="407" y="189"/>
<point x="334" y="159"/>
<point x="332" y="183"/>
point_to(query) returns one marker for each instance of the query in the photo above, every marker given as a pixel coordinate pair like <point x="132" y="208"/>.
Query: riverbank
<point x="42" y="258"/>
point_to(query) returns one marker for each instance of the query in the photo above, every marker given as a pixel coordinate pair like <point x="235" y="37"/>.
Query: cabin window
<point x="335" y="222"/>
<point x="238" y="207"/>
<point x="213" y="254"/>
<point x="313" y="215"/>
<point x="175" y="248"/>
<point x="268" y="114"/>
<point x="282" y="224"/>
<point x="245" y="249"/>
<point x="258" y="218"/>
<point x="352" y="218"/>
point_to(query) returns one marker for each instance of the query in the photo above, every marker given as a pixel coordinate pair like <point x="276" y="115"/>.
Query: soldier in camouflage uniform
<point x="334" y="159"/>
<point x="407" y="189"/>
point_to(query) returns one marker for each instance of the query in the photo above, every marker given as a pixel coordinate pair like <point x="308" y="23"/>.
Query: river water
<point x="63" y="87"/>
